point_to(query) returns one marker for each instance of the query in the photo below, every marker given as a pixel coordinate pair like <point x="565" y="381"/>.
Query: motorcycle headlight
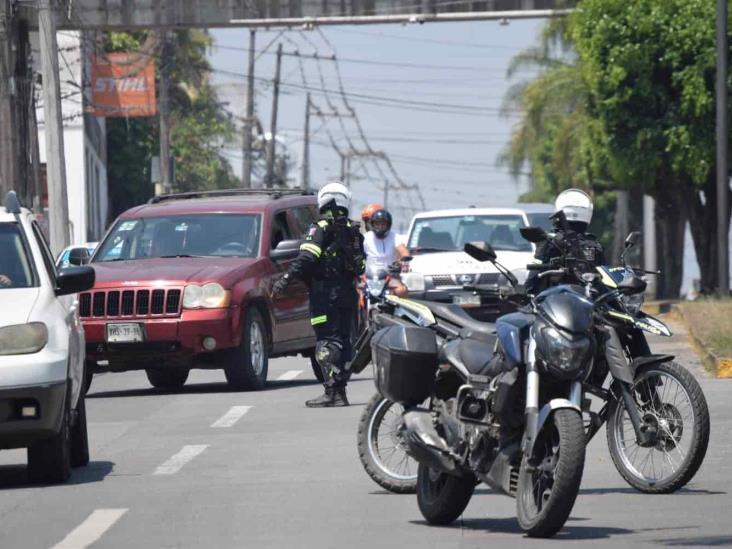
<point x="23" y="339"/>
<point x="413" y="281"/>
<point x="633" y="302"/>
<point x="376" y="286"/>
<point x="563" y="352"/>
<point x="208" y="296"/>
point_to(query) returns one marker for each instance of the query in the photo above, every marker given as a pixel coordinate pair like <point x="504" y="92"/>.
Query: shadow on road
<point x="510" y="526"/>
<point x="705" y="541"/>
<point x="682" y="492"/>
<point x="16" y="476"/>
<point x="206" y="388"/>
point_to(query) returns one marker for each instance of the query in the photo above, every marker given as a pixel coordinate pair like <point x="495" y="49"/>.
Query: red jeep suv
<point x="184" y="282"/>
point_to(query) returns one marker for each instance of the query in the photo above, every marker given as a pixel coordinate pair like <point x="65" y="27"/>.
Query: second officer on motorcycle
<point x="330" y="262"/>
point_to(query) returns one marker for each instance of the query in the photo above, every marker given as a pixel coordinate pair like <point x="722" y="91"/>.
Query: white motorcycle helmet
<point x="334" y="192"/>
<point x="577" y="207"/>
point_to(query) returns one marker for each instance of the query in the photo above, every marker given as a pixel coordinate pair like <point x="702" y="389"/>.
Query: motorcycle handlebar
<point x="536" y="266"/>
<point x="552" y="272"/>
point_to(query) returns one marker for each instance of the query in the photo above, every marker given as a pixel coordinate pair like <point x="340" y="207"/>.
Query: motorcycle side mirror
<point x="533" y="234"/>
<point x="632" y="239"/>
<point x="482" y="251"/>
<point x="559" y="220"/>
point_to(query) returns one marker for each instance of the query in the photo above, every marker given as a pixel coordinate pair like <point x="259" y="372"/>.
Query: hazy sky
<point x="427" y="95"/>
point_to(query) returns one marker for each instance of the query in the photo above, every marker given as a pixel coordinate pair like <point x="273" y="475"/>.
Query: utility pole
<point x="164" y="114"/>
<point x="650" y="258"/>
<point x="722" y="143"/>
<point x="246" y="177"/>
<point x="8" y="143"/>
<point x="305" y="180"/>
<point x="270" y="177"/>
<point x="58" y="207"/>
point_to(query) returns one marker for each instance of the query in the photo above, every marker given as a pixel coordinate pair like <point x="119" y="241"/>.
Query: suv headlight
<point x="413" y="281"/>
<point x="208" y="296"/>
<point x="23" y="339"/>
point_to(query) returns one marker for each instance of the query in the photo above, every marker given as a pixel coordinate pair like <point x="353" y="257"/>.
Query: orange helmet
<point x="369" y="210"/>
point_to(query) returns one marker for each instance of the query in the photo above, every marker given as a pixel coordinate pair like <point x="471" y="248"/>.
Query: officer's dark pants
<point x="332" y="310"/>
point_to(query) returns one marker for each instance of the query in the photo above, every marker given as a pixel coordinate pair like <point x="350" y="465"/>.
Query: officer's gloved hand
<point x="280" y="285"/>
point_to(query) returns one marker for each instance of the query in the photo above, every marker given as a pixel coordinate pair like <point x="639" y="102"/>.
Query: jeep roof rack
<point x="271" y="193"/>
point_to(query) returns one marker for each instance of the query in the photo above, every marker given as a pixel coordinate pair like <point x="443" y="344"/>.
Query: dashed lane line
<point x="231" y="417"/>
<point x="91" y="530"/>
<point x="289" y="375"/>
<point x="176" y="463"/>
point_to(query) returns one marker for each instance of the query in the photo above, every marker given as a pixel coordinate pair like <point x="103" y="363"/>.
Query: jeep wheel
<point x="49" y="460"/>
<point x="174" y="378"/>
<point x="246" y="365"/>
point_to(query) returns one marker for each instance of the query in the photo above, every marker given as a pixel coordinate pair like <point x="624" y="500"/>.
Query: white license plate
<point x="466" y="300"/>
<point x="125" y="333"/>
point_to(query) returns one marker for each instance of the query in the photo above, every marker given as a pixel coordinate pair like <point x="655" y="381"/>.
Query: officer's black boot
<point x="325" y="400"/>
<point x="340" y="398"/>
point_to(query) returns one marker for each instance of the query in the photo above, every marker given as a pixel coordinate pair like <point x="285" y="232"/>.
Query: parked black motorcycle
<point x="504" y="410"/>
<point x="656" y="413"/>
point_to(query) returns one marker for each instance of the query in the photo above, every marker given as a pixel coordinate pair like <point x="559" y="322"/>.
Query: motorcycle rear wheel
<point x="442" y="498"/>
<point x="380" y="447"/>
<point x="682" y="417"/>
<point x="546" y="493"/>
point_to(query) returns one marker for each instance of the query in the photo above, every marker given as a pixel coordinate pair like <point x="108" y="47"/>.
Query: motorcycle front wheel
<point x="546" y="492"/>
<point x="381" y="449"/>
<point x="670" y="403"/>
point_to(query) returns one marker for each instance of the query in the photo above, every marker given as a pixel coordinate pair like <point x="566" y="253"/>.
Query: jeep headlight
<point x="208" y="296"/>
<point x="23" y="339"/>
<point x="413" y="281"/>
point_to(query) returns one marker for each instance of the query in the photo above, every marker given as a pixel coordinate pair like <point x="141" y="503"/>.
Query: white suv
<point x="42" y="350"/>
<point x="440" y="268"/>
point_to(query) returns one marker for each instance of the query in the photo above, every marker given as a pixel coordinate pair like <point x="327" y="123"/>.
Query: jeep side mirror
<point x="482" y="251"/>
<point x="73" y="280"/>
<point x="286" y="249"/>
<point x="533" y="234"/>
<point x="78" y="256"/>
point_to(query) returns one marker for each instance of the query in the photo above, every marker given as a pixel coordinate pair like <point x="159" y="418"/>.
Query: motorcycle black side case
<point x="405" y="358"/>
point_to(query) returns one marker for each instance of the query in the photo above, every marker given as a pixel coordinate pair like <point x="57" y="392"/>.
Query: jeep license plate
<point x="466" y="300"/>
<point x="125" y="333"/>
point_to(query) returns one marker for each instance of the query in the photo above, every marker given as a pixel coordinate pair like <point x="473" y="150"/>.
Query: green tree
<point x="649" y="66"/>
<point x="199" y="125"/>
<point x="553" y="129"/>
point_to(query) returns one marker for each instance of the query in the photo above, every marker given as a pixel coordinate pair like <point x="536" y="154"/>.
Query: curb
<point x="719" y="367"/>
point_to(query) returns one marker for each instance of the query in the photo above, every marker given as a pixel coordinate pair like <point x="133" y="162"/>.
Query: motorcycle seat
<point x="469" y="327"/>
<point x="478" y="358"/>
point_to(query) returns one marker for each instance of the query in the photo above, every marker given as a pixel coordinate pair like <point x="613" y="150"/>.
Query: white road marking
<point x="175" y="463"/>
<point x="93" y="528"/>
<point x="231" y="417"/>
<point x="289" y="375"/>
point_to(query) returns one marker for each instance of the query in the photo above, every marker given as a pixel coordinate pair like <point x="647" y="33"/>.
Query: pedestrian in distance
<point x="330" y="262"/>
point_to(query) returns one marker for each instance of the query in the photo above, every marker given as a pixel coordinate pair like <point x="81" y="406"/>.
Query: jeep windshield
<point x="16" y="270"/>
<point x="449" y="234"/>
<point x="193" y="235"/>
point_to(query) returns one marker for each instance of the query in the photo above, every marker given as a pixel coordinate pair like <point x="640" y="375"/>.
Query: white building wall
<point x="84" y="146"/>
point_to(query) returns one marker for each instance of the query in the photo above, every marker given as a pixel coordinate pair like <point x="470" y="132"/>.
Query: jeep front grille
<point x="130" y="303"/>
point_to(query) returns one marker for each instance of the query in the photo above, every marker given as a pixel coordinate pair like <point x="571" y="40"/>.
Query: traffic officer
<point x="572" y="239"/>
<point x="330" y="262"/>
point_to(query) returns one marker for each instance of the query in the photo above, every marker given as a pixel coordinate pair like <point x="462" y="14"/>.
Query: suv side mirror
<point x="533" y="234"/>
<point x="482" y="251"/>
<point x="78" y="256"/>
<point x="73" y="280"/>
<point x="286" y="249"/>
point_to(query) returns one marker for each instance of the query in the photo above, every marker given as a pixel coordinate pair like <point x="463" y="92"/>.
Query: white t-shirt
<point x="380" y="251"/>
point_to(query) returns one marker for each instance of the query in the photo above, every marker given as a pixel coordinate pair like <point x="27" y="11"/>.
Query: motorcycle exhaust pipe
<point x="425" y="443"/>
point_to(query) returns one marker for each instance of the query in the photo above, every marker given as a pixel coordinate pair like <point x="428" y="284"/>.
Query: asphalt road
<point x="207" y="467"/>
